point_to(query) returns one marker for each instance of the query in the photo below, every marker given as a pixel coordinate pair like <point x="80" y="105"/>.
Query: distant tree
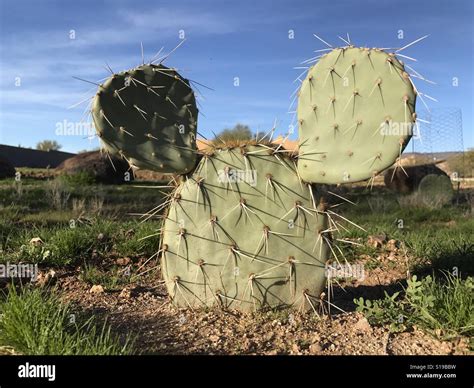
<point x="239" y="132"/>
<point x="48" y="145"/>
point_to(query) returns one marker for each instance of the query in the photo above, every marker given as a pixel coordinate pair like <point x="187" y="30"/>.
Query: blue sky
<point x="224" y="40"/>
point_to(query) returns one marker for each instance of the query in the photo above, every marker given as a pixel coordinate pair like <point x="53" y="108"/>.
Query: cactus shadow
<point x="344" y="298"/>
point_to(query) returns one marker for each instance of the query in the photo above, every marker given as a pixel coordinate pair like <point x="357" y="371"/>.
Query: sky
<point x="244" y="50"/>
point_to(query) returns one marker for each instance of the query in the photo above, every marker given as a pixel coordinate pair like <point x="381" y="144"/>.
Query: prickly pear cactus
<point x="356" y="112"/>
<point x="244" y="232"/>
<point x="148" y="115"/>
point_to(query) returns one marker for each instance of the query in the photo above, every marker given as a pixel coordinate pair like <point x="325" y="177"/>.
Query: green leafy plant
<point x="48" y="145"/>
<point x="383" y="311"/>
<point x="443" y="307"/>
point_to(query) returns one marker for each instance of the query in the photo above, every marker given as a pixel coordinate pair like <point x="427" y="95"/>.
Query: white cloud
<point x="29" y="99"/>
<point x="167" y="19"/>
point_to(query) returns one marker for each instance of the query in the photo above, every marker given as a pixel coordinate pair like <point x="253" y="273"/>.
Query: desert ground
<point x="97" y="264"/>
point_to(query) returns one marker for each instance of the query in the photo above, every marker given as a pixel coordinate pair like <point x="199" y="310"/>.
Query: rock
<point x="125" y="293"/>
<point x="97" y="166"/>
<point x="96" y="289"/>
<point x="315" y="348"/>
<point x="377" y="241"/>
<point x="435" y="191"/>
<point x="214" y="338"/>
<point x="123" y="261"/>
<point x="392" y="245"/>
<point x="407" y="181"/>
<point x="362" y="325"/>
<point x="43" y="279"/>
<point x="36" y="241"/>
<point x="268" y="336"/>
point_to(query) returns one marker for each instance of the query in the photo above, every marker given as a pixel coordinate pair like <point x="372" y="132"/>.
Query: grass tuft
<point x="37" y="323"/>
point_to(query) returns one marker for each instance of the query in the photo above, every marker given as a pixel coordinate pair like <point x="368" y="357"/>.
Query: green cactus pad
<point x="356" y="112"/>
<point x="148" y="115"/>
<point x="243" y="232"/>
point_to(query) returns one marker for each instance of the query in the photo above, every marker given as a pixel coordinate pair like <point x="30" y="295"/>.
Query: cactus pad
<point x="356" y="112"/>
<point x="148" y="116"/>
<point x="244" y="232"/>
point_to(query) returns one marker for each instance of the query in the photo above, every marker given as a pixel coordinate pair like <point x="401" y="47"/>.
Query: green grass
<point x="31" y="196"/>
<point x="37" y="323"/>
<point x="429" y="235"/>
<point x="112" y="279"/>
<point x="138" y="239"/>
<point x="63" y="245"/>
<point x="442" y="306"/>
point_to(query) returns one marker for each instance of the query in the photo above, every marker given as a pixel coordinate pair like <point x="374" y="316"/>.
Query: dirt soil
<point x="163" y="329"/>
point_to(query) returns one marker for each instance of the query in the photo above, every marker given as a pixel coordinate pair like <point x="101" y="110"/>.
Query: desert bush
<point x="78" y="179"/>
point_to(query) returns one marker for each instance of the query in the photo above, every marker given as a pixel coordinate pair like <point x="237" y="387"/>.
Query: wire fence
<point x="440" y="138"/>
<point x="440" y="131"/>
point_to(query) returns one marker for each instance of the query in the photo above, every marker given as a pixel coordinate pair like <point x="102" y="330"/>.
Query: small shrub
<point x="78" y="179"/>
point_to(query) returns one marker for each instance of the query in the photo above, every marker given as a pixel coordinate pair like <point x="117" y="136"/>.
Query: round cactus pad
<point x="148" y="116"/>
<point x="356" y="112"/>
